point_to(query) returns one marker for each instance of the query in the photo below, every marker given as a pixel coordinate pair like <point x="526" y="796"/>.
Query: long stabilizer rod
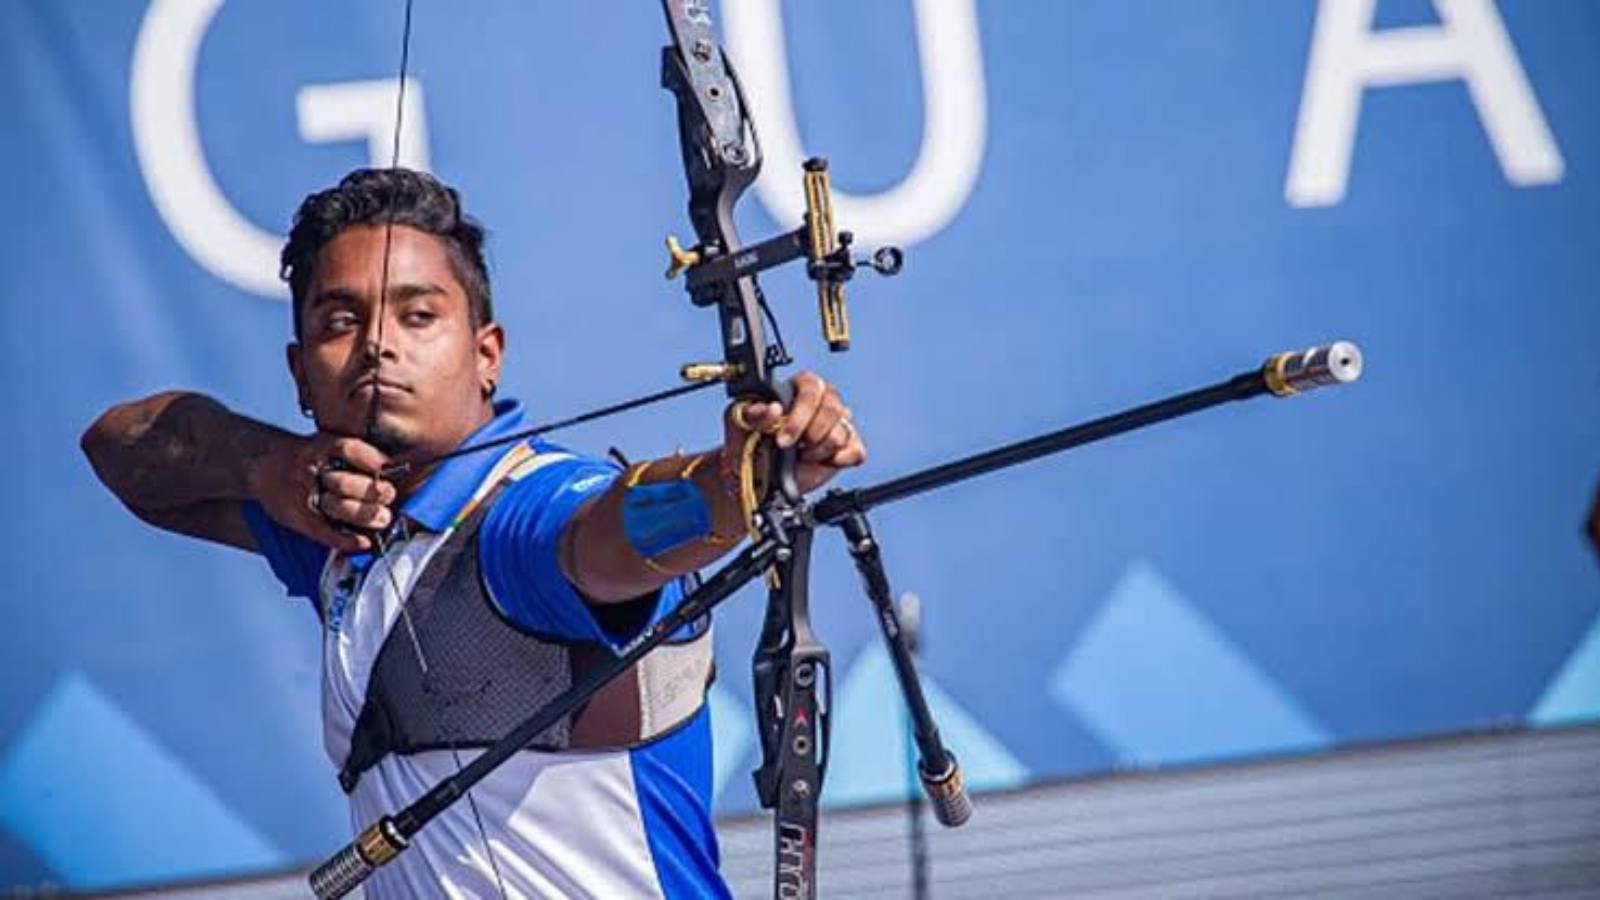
<point x="1282" y="375"/>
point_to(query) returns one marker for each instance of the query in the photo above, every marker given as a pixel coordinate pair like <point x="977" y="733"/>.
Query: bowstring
<point x="547" y="427"/>
<point x="380" y="543"/>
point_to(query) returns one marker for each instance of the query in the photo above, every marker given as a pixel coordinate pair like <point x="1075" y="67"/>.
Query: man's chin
<point x="392" y="439"/>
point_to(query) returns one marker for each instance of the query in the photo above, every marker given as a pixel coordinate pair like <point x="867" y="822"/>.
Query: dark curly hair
<point x="384" y="196"/>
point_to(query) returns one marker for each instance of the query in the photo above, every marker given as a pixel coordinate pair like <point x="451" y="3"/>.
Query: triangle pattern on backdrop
<point x="1159" y="683"/>
<point x="873" y="753"/>
<point x="82" y="762"/>
<point x="1573" y="694"/>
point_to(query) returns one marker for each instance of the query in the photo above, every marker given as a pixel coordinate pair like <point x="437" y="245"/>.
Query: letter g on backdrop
<point x="166" y="133"/>
<point x="166" y="138"/>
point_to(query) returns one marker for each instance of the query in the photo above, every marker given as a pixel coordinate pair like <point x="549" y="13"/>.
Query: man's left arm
<point x="667" y="517"/>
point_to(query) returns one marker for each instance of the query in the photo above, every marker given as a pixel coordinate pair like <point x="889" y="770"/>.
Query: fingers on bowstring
<point x="349" y="496"/>
<point x="358" y="455"/>
<point x="327" y="528"/>
<point x="368" y="514"/>
<point x="357" y="499"/>
<point x="350" y="485"/>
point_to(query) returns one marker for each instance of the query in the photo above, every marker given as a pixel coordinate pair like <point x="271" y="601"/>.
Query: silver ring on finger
<point x="849" y="430"/>
<point x="314" y="498"/>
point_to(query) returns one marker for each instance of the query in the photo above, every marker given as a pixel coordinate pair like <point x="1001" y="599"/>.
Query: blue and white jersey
<point x="628" y="823"/>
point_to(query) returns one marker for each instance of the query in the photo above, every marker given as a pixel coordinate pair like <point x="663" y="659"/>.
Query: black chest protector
<point x="484" y="674"/>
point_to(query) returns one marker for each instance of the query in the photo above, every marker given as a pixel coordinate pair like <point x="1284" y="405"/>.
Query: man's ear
<point x="491" y="351"/>
<point x="297" y="369"/>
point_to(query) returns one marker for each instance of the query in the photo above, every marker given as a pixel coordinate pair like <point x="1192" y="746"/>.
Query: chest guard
<point x="485" y="674"/>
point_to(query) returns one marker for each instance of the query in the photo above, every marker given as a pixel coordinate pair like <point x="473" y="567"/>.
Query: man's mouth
<point x="367" y="384"/>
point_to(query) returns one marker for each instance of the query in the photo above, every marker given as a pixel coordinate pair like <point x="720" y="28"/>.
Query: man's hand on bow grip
<point x="329" y="490"/>
<point x="817" y="423"/>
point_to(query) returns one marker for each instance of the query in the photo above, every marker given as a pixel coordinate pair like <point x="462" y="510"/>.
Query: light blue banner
<point x="1101" y="203"/>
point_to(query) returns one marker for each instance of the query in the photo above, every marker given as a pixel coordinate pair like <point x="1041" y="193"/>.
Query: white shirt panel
<point x="560" y="824"/>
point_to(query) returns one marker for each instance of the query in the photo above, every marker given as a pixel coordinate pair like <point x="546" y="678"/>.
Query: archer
<point x="457" y="596"/>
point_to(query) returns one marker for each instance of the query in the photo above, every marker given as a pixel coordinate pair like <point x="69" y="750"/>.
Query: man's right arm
<point x="186" y="463"/>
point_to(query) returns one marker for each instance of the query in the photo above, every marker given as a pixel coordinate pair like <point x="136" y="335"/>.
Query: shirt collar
<point x="453" y="482"/>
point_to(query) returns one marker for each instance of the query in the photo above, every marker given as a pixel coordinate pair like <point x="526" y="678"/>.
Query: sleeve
<point x="518" y="549"/>
<point x="296" y="559"/>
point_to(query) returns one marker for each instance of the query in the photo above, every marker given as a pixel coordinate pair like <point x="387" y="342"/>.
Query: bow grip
<point x="784" y="459"/>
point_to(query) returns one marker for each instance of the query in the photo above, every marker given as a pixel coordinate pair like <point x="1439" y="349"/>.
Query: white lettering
<point x="166" y="139"/>
<point x="953" y="129"/>
<point x="792" y="853"/>
<point x="1347" y="57"/>
<point x="355" y="110"/>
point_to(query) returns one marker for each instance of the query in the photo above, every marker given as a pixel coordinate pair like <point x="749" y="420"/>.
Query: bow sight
<point x="825" y="250"/>
<point x="722" y="158"/>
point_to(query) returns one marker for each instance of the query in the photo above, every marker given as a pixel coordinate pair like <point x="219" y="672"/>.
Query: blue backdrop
<point x="1117" y="200"/>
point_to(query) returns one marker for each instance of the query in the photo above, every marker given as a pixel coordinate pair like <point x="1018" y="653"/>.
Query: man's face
<point x="431" y="372"/>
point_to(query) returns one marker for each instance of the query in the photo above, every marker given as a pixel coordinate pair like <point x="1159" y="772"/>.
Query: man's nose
<point x="378" y="343"/>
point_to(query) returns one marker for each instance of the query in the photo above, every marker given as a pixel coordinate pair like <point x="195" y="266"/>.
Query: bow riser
<point x="721" y="159"/>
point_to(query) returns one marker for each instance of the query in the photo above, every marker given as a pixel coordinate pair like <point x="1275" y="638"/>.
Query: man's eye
<point x="341" y="321"/>
<point x="420" y="317"/>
